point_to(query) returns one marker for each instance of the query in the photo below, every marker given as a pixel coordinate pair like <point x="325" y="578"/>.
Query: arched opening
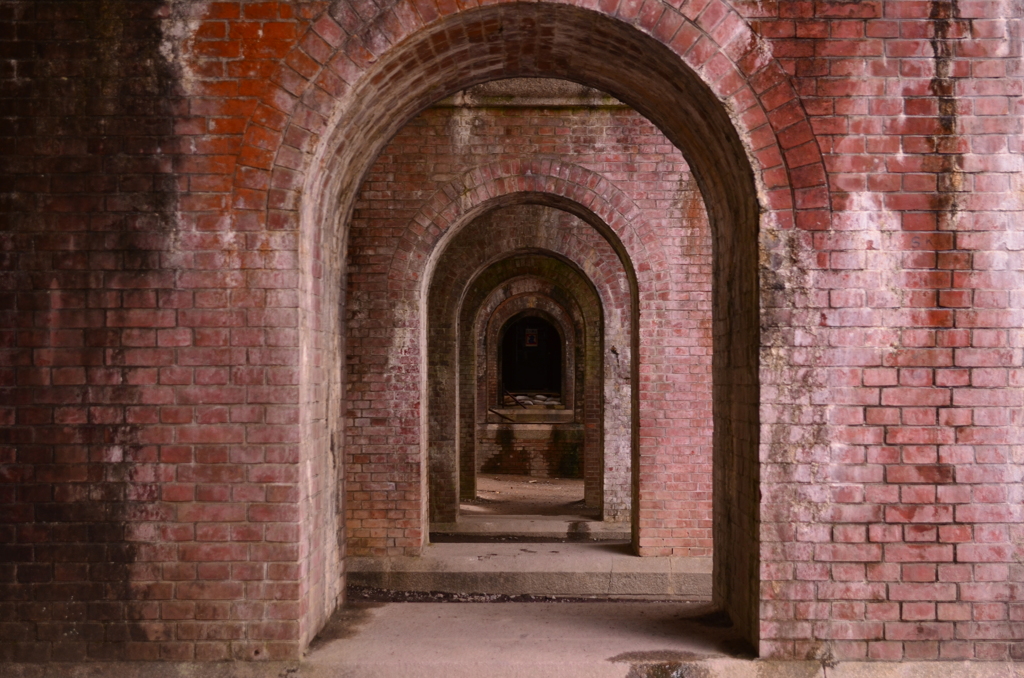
<point x="531" y="364"/>
<point x="466" y="310"/>
<point x="515" y="439"/>
<point x="484" y="279"/>
<point x="530" y="446"/>
<point x="540" y="40"/>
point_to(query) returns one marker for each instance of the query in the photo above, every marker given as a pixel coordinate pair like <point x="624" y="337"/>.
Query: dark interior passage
<point x="531" y="358"/>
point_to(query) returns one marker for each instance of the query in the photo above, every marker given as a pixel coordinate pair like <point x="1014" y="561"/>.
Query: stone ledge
<point x="600" y="569"/>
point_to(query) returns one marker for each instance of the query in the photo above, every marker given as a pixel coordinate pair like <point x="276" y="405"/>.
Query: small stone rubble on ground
<point x="533" y="400"/>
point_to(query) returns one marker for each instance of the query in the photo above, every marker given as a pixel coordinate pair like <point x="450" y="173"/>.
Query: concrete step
<point x="579" y="569"/>
<point x="572" y="528"/>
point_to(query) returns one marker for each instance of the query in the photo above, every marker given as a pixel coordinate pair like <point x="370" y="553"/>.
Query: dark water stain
<point x="565" y="453"/>
<point x="510" y="458"/>
<point x="946" y="25"/>
<point x="716" y="619"/>
<point x="663" y="664"/>
<point x="104" y="101"/>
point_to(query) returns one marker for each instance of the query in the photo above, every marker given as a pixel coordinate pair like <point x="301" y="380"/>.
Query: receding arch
<point x="508" y="288"/>
<point x="538" y="181"/>
<point x="520" y="367"/>
<point x="655" y="69"/>
<point x="502" y="331"/>
<point x="464" y="290"/>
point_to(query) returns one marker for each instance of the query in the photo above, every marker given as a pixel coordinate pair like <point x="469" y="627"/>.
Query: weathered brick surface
<point x="175" y="184"/>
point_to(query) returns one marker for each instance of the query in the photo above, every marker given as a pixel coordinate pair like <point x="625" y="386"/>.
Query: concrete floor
<point x="523" y="640"/>
<point x="506" y="494"/>
<point x="456" y="640"/>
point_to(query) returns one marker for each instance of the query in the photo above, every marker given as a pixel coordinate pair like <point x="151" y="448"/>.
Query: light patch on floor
<point x="502" y="494"/>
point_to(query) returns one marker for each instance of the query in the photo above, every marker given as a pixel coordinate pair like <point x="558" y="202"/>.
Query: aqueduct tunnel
<point x="526" y="251"/>
<point x="665" y="520"/>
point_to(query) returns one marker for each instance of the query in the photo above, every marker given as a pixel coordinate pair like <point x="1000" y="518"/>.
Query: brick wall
<point x="92" y="390"/>
<point x="152" y="503"/>
<point x="176" y="183"/>
<point x="538" y="450"/>
<point x="909" y="311"/>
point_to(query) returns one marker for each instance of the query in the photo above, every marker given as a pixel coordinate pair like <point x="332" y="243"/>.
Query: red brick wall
<point x="908" y="329"/>
<point x="175" y="181"/>
<point x="101" y="385"/>
<point x="151" y="496"/>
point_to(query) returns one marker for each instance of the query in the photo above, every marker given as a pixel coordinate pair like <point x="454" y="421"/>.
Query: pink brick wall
<point x="175" y="184"/>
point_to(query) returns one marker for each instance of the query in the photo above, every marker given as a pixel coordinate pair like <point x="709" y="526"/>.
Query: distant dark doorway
<point x="531" y="358"/>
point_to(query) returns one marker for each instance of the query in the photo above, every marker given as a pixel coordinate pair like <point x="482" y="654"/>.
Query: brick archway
<point x="178" y="178"/>
<point x="484" y="253"/>
<point x="611" y="216"/>
<point x="535" y="304"/>
<point x="581" y="320"/>
<point x="296" y="123"/>
<point x="701" y="79"/>
<point x="544" y="180"/>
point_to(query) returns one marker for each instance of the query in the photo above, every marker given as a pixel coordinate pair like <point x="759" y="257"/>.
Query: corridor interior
<point x="533" y="307"/>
